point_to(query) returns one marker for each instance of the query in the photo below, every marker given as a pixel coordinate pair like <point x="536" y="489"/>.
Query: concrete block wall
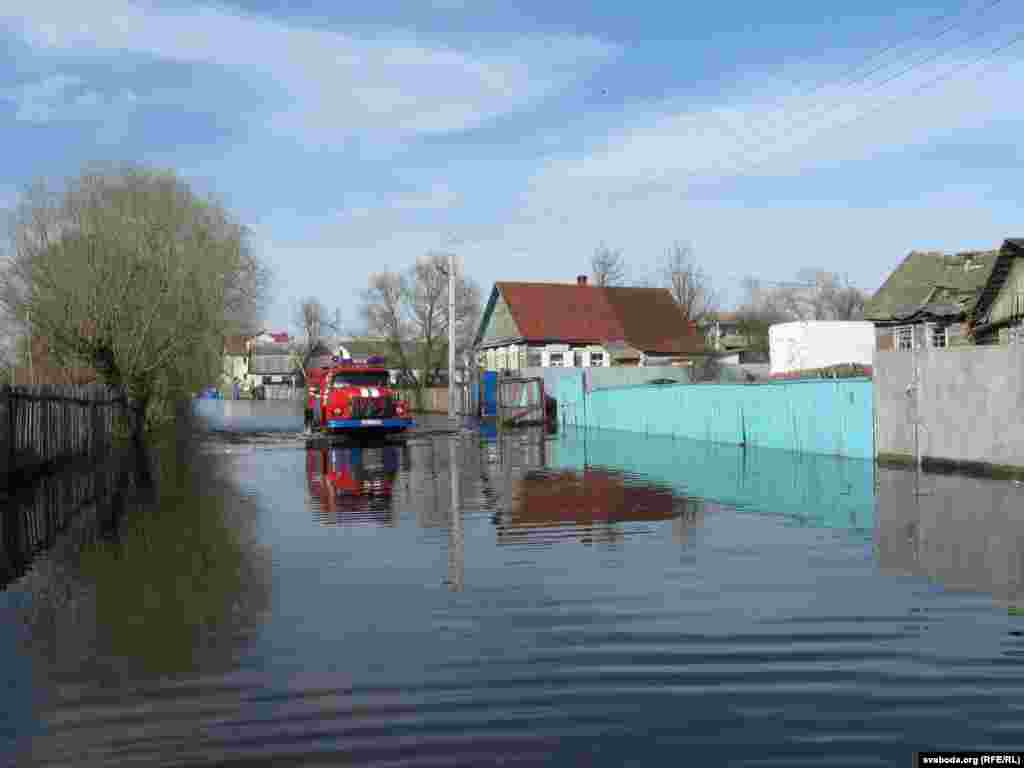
<point x="970" y="401"/>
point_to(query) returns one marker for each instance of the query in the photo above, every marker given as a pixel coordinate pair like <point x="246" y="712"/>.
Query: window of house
<point x="577" y="358"/>
<point x="905" y="338"/>
<point x="533" y="358"/>
<point x="596" y="358"/>
<point x="939" y="337"/>
<point x="556" y="359"/>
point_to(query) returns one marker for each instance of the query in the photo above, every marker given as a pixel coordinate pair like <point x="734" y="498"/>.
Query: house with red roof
<point x="567" y="325"/>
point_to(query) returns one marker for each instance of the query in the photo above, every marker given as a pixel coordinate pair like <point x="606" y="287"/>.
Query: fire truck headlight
<point x="337" y="411"/>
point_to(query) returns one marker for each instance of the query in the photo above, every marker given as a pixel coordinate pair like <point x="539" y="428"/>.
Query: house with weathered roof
<point x="578" y="325"/>
<point x="999" y="311"/>
<point x="929" y="300"/>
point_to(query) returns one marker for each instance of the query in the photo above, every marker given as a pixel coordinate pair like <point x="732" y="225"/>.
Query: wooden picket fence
<point x="40" y="425"/>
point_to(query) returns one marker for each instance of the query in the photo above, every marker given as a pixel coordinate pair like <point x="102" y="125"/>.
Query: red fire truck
<point x="354" y="396"/>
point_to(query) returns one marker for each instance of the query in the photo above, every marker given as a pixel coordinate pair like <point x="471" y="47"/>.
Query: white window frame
<point x="936" y="332"/>
<point x="597" y="359"/>
<point x="561" y="359"/>
<point x="898" y="335"/>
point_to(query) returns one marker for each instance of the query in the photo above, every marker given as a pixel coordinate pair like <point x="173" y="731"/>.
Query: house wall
<point x="814" y="416"/>
<point x="970" y="398"/>
<point x="823" y="491"/>
<point x="518" y="356"/>
<point x="957" y="335"/>
<point x="235" y="366"/>
<point x="1009" y="303"/>
<point x="500" y="325"/>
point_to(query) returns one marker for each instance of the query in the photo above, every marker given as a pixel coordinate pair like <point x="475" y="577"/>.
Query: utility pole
<point x="451" y="335"/>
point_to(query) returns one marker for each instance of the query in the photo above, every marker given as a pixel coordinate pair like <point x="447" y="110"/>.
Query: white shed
<point x="820" y="343"/>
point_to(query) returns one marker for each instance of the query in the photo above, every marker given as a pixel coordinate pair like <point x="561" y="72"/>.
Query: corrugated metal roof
<point x="646" y="318"/>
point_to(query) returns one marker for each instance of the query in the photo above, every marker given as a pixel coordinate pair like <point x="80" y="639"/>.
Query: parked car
<point x="210" y="393"/>
<point x="664" y="381"/>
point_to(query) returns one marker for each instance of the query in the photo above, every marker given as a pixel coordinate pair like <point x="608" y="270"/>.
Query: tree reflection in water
<point x="165" y="580"/>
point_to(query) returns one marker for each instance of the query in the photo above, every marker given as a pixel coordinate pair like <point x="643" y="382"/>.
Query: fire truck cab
<point x="355" y="397"/>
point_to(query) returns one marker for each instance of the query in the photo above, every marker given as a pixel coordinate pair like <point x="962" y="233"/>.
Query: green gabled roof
<point x="931" y="279"/>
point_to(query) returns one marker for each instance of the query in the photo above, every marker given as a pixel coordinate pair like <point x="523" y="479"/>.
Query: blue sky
<point x="355" y="137"/>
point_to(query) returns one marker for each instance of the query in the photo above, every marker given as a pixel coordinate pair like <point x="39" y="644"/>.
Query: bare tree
<point x="411" y="311"/>
<point x="312" y="319"/>
<point x="761" y="308"/>
<point x="821" y="295"/>
<point x="131" y="273"/>
<point x="607" y="267"/>
<point x="689" y="284"/>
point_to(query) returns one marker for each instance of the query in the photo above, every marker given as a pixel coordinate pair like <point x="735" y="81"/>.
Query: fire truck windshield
<point x="360" y="379"/>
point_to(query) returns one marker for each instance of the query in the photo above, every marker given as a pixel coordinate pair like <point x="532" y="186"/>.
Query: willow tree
<point x="134" y="274"/>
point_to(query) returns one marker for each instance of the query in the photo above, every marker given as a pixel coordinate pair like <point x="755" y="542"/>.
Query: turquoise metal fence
<point x="818" y="490"/>
<point x="818" y="416"/>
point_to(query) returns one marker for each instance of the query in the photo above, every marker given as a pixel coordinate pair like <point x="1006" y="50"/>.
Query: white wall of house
<point x="518" y="356"/>
<point x="235" y="367"/>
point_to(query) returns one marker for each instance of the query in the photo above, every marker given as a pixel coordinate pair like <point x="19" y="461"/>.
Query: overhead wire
<point x="844" y="80"/>
<point x="937" y="80"/>
<point x="815" y="111"/>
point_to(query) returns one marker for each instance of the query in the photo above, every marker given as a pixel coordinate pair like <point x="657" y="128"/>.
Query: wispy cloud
<point x="322" y="83"/>
<point x="765" y="136"/>
<point x="438" y="197"/>
<point x="63" y="97"/>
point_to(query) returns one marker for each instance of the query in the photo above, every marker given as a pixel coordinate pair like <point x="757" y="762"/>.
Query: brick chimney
<point x="581" y="280"/>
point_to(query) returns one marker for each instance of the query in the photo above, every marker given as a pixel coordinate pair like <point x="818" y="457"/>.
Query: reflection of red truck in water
<point x="346" y="395"/>
<point x="352" y="479"/>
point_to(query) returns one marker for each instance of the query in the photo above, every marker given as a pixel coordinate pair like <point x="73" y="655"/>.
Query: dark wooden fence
<point x="45" y="424"/>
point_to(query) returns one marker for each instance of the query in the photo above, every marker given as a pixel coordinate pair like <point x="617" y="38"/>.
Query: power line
<point x="815" y="111"/>
<point x="938" y="79"/>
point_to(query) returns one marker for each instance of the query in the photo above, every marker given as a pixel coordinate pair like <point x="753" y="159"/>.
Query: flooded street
<point x="464" y="598"/>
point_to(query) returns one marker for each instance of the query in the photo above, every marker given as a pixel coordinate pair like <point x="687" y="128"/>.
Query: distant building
<point x="271" y="366"/>
<point x="236" y="360"/>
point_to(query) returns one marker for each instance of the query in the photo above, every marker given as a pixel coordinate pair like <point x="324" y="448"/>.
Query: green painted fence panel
<point x="832" y="417"/>
<point x="815" y="489"/>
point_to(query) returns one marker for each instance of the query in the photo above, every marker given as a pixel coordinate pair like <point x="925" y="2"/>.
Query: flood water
<point x="463" y="598"/>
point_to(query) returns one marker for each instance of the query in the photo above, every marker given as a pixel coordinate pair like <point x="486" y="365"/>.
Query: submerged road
<point x="465" y="598"/>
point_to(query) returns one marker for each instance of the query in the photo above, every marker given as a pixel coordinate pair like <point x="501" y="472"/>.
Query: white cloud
<point x="438" y="197"/>
<point x="335" y="84"/>
<point x="765" y="136"/>
<point x="65" y="97"/>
